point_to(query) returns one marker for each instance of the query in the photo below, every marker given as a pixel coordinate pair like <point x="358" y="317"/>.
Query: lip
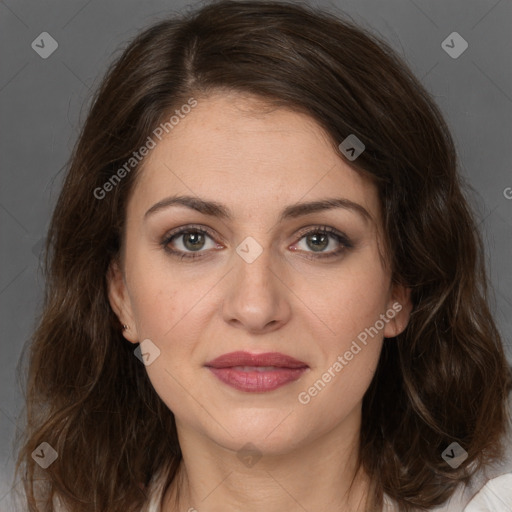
<point x="256" y="372"/>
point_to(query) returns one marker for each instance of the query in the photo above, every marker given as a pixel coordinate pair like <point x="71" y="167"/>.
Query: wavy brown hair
<point x="444" y="379"/>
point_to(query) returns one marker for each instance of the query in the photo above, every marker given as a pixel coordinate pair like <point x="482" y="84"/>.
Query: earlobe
<point x="120" y="301"/>
<point x="399" y="311"/>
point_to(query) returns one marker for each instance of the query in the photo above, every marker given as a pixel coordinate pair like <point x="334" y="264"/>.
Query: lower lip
<point x="257" y="381"/>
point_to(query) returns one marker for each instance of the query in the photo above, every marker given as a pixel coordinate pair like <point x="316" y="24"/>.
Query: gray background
<point x="44" y="101"/>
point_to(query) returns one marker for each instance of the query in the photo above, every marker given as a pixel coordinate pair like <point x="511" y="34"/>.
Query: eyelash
<point x="319" y="230"/>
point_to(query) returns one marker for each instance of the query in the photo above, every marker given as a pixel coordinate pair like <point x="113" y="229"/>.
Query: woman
<point x="265" y="288"/>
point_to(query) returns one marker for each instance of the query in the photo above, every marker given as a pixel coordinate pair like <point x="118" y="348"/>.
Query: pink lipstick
<point x="256" y="372"/>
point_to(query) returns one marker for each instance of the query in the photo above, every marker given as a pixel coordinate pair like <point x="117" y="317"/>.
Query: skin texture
<point x="256" y="161"/>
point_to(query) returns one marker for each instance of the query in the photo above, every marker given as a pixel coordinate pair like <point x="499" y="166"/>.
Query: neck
<point x="317" y="475"/>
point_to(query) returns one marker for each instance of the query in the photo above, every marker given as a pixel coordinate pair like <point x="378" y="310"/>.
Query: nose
<point x="257" y="298"/>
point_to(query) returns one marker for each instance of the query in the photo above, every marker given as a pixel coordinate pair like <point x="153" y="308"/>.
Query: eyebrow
<point x="215" y="209"/>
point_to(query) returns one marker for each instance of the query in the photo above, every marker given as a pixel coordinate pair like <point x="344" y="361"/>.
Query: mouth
<point x="256" y="372"/>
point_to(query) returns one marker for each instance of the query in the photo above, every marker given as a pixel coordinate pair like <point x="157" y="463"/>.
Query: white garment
<point x="495" y="496"/>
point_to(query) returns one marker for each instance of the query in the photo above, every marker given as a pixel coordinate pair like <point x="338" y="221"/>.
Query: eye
<point x="186" y="241"/>
<point x="192" y="239"/>
<point x="319" y="238"/>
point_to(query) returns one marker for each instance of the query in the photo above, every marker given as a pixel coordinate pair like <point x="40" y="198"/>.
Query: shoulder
<point x="493" y="489"/>
<point x="489" y="490"/>
<point x="494" y="496"/>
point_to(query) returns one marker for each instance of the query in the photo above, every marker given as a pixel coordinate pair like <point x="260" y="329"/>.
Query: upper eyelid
<point x="185" y="229"/>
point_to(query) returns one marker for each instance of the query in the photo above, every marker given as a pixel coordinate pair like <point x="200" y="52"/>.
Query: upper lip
<point x="247" y="359"/>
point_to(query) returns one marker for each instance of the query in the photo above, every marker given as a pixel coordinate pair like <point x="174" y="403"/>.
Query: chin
<point x="265" y="431"/>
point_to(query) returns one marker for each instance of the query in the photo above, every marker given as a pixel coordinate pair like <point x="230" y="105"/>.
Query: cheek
<point x="350" y="316"/>
<point x="351" y="303"/>
<point x="349" y="352"/>
<point x="332" y="394"/>
<point x="165" y="314"/>
<point x="170" y="310"/>
<point x="159" y="299"/>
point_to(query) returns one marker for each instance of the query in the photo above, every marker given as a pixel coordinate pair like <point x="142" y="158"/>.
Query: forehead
<point x="236" y="150"/>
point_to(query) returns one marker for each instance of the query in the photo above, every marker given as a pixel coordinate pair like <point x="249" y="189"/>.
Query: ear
<point x="399" y="310"/>
<point x="120" y="301"/>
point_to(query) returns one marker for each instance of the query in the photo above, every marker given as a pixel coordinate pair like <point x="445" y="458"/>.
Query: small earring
<point x="125" y="327"/>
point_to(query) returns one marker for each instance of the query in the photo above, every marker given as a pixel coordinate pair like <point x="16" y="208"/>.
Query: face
<point x="309" y="284"/>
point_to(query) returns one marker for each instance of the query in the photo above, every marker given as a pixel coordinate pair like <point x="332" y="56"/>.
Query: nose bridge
<point x="256" y="297"/>
<point x="253" y="261"/>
